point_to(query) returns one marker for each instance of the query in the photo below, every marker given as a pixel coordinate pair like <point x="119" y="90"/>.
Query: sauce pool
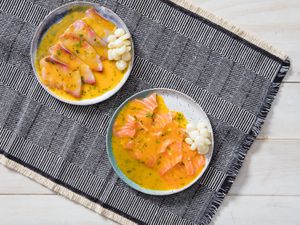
<point x="138" y="171"/>
<point x="105" y="80"/>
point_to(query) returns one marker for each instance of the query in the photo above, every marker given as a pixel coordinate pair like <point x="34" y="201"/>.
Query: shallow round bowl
<point x="176" y="101"/>
<point x="54" y="17"/>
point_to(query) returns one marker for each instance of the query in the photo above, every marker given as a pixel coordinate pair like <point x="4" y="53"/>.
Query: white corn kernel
<point x="111" y="38"/>
<point x="200" y="125"/>
<point x="121" y="65"/>
<point x="115" y="44"/>
<point x="119" y="32"/>
<point x="127" y="42"/>
<point x="126" y="57"/>
<point x="114" y="55"/>
<point x="204" y="132"/>
<point x="203" y="149"/>
<point x="121" y="50"/>
<point x="193" y="146"/>
<point x="188" y="141"/>
<point x="198" y="140"/>
<point x="128" y="48"/>
<point x="110" y="54"/>
<point x="124" y="37"/>
<point x="191" y="127"/>
<point x="207" y="141"/>
<point x="194" y="134"/>
<point x="110" y="45"/>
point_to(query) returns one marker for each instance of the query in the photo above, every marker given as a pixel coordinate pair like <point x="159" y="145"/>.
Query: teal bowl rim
<point x="112" y="159"/>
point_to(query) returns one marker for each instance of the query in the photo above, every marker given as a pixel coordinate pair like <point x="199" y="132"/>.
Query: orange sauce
<point x="148" y="143"/>
<point x="105" y="80"/>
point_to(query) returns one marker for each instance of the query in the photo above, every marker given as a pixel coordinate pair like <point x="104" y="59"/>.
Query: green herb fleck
<point x="149" y="115"/>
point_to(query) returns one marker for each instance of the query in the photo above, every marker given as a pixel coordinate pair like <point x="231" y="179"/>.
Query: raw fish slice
<point x="57" y="75"/>
<point x="176" y="174"/>
<point x="125" y="131"/>
<point x="130" y="121"/>
<point x="151" y="101"/>
<point x="191" y="159"/>
<point x="198" y="161"/>
<point x="128" y="129"/>
<point x="80" y="29"/>
<point x="162" y="120"/>
<point x="83" y="50"/>
<point x="188" y="156"/>
<point x="147" y="105"/>
<point x="98" y="22"/>
<point x="165" y="144"/>
<point x="151" y="160"/>
<point x="189" y="167"/>
<point x="74" y="86"/>
<point x="148" y="158"/>
<point x="129" y="145"/>
<point x="171" y="158"/>
<point x="50" y="72"/>
<point x="61" y="54"/>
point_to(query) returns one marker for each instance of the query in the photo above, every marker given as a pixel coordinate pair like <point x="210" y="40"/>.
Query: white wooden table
<point x="267" y="190"/>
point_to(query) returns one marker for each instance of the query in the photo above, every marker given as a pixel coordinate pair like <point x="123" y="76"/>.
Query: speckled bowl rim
<point x="112" y="159"/>
<point x="35" y="43"/>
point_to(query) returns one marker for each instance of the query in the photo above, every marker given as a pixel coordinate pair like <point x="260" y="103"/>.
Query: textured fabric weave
<point x="233" y="80"/>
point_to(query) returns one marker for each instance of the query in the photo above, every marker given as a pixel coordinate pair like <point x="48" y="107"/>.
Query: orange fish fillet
<point x="128" y="129"/>
<point x="58" y="75"/>
<point x="61" y="54"/>
<point x="83" y="50"/>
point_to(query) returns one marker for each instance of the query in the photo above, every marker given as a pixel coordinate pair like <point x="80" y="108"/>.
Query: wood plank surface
<point x="267" y="190"/>
<point x="274" y="21"/>
<point x="236" y="210"/>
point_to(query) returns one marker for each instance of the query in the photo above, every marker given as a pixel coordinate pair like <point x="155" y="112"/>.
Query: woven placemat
<point x="231" y="74"/>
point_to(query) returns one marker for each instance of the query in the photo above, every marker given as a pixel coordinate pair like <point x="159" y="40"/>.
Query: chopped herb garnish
<point x="149" y="115"/>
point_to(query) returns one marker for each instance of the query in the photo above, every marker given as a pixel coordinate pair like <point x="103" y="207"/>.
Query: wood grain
<point x="241" y="210"/>
<point x="267" y="190"/>
<point x="46" y="210"/>
<point x="274" y="21"/>
<point x="283" y="120"/>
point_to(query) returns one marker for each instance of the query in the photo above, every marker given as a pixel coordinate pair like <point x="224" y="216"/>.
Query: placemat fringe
<point x="231" y="27"/>
<point x="235" y="167"/>
<point x="64" y="191"/>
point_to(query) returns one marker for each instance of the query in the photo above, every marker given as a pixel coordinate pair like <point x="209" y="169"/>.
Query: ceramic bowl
<point x="175" y="101"/>
<point x="54" y="17"/>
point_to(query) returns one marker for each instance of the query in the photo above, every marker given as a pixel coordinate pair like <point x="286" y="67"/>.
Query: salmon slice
<point x="188" y="156"/>
<point x="98" y="22"/>
<point x="81" y="30"/>
<point x="191" y="160"/>
<point x="151" y="102"/>
<point x="176" y="174"/>
<point x="83" y="50"/>
<point x="151" y="160"/>
<point x="58" y="75"/>
<point x="165" y="144"/>
<point x="145" y="157"/>
<point x="147" y="105"/>
<point x="170" y="158"/>
<point x="129" y="145"/>
<point x="198" y="161"/>
<point x="128" y="129"/>
<point x="162" y="120"/>
<point x="61" y="54"/>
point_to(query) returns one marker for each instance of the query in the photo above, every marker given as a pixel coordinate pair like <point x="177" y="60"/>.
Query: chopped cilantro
<point x="149" y="115"/>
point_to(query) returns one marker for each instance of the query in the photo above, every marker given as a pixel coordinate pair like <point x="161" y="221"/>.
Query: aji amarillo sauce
<point x="136" y="162"/>
<point x="105" y="80"/>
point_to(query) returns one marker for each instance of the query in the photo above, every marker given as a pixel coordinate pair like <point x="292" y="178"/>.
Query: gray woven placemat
<point x="231" y="74"/>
